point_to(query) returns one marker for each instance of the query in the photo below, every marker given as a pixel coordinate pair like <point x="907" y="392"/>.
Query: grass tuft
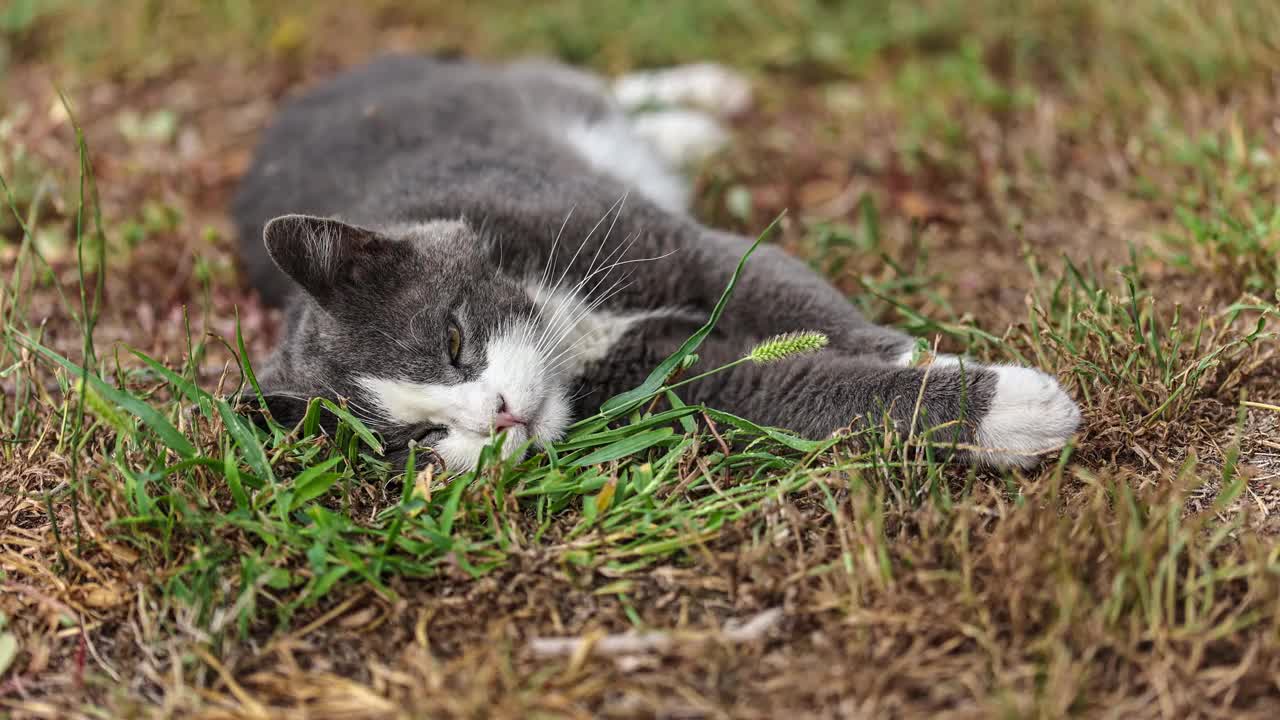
<point x="1086" y="187"/>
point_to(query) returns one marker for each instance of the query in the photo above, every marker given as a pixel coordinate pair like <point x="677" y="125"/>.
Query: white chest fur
<point x="585" y="335"/>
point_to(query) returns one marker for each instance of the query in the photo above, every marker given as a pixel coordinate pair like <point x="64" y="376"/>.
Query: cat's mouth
<point x="528" y="427"/>
<point x="519" y="428"/>
<point x="533" y="419"/>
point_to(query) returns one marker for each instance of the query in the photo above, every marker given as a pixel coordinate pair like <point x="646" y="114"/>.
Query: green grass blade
<point x="624" y="447"/>
<point x="247" y="439"/>
<point x="314" y="482"/>
<point x="245" y="367"/>
<point x="231" y="469"/>
<point x="620" y="403"/>
<point x="189" y="390"/>
<point x="165" y="430"/>
<point x="358" y="427"/>
<point x="778" y="436"/>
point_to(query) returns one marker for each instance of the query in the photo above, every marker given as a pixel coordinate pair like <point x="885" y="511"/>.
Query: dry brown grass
<point x="1138" y="577"/>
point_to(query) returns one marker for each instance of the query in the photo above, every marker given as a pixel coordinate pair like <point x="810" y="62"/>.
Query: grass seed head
<point x="788" y="345"/>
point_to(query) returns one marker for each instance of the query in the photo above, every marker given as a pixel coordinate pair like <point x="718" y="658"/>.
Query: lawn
<point x="1087" y="186"/>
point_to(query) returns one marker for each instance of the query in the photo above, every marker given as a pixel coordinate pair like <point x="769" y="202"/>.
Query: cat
<point x="466" y="248"/>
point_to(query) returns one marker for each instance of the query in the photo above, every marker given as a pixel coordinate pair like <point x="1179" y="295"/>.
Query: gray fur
<point x="453" y="185"/>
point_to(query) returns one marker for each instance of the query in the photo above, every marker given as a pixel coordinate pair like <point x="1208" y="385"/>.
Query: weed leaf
<point x="621" y="403"/>
<point x="168" y="434"/>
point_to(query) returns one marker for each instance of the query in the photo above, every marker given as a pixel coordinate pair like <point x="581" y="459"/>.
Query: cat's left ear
<point x="326" y="256"/>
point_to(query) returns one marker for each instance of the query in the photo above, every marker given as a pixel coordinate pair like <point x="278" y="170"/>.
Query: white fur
<point x="613" y="147"/>
<point x="708" y="86"/>
<point x="515" y="370"/>
<point x="1029" y="416"/>
<point x="649" y="149"/>
<point x="907" y="359"/>
<point x="683" y="138"/>
<point x="593" y="335"/>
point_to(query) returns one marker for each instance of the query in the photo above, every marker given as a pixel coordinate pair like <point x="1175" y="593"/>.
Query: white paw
<point x="708" y="86"/>
<point x="619" y="149"/>
<point x="683" y="138"/>
<point x="1029" y="415"/>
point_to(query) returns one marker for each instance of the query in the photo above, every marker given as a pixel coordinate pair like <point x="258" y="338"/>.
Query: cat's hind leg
<point x="678" y="109"/>
<point x="580" y="108"/>
<point x="649" y="129"/>
<point x="709" y="87"/>
<point x="682" y="138"/>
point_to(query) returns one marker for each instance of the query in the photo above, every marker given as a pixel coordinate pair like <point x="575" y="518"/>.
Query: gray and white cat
<point x="467" y="248"/>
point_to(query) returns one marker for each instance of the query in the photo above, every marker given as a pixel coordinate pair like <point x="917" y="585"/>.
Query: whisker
<point x="617" y="205"/>
<point x="616" y="209"/>
<point x="397" y="341"/>
<point x="580" y="300"/>
<point x="361" y="412"/>
<point x="596" y="303"/>
<point x="412" y="320"/>
<point x="577" y="298"/>
<point x="583" y="392"/>
<point x="568" y="319"/>
<point x="549" y="268"/>
<point x="554" y="369"/>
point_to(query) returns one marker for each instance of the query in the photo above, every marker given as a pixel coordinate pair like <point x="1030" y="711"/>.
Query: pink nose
<point x="506" y="420"/>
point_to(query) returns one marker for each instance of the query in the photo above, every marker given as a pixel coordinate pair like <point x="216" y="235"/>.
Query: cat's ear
<point x="325" y="255"/>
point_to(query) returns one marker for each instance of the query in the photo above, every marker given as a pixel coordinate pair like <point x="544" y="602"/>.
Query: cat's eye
<point x="455" y="343"/>
<point x="426" y="435"/>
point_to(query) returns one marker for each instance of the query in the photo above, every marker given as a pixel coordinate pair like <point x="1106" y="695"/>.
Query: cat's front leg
<point x="778" y="293"/>
<point x="999" y="416"/>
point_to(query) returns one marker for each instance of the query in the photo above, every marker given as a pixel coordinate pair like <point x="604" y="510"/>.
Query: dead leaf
<point x="8" y="651"/>
<point x="38" y="653"/>
<point x="359" y="618"/>
<point x="101" y="596"/>
<point x="121" y="553"/>
<point x="915" y="205"/>
<point x="818" y="192"/>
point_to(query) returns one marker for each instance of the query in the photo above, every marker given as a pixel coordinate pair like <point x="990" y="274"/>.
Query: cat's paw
<point x="683" y="138"/>
<point x="1029" y="415"/>
<point x="706" y="86"/>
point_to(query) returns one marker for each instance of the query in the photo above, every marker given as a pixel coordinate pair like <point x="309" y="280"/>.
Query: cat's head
<point x="418" y="331"/>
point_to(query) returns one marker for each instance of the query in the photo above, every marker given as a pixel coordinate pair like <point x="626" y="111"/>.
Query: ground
<point x="1086" y="186"/>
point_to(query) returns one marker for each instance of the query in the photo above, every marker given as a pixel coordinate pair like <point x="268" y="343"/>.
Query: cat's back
<point x="406" y="138"/>
<point x="395" y="103"/>
<point x="524" y="150"/>
<point x="327" y="145"/>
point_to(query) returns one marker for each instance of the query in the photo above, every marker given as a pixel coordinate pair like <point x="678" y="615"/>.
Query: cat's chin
<point x="551" y="421"/>
<point x="461" y="451"/>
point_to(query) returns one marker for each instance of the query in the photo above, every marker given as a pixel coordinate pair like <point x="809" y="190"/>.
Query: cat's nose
<point x="505" y="418"/>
